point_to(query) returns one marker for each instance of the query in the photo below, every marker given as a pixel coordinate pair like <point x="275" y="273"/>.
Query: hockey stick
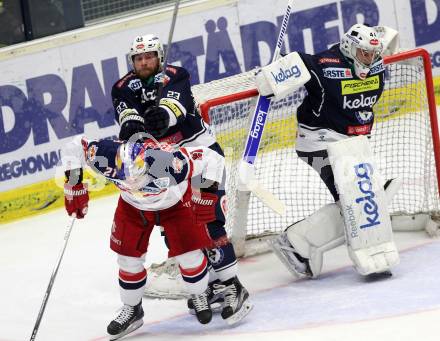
<point x="165" y="58"/>
<point x="52" y="279"/>
<point x="246" y="168"/>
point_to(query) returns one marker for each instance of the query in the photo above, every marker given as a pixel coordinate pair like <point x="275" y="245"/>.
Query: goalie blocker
<point x="282" y="77"/>
<point x="364" y="225"/>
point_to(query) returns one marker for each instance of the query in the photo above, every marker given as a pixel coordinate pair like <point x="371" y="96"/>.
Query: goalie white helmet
<point x="147" y="43"/>
<point x="362" y="45"/>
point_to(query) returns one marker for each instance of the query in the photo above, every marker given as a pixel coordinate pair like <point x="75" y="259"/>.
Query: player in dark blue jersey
<point x="170" y="115"/>
<point x="343" y="83"/>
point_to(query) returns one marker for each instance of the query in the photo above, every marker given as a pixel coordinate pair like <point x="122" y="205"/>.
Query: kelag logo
<point x="284" y="75"/>
<point x="261" y="117"/>
<point x="362" y="102"/>
<point x="363" y="172"/>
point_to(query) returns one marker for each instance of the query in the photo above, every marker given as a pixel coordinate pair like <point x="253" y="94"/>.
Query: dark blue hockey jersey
<point x="338" y="103"/>
<point x="131" y="92"/>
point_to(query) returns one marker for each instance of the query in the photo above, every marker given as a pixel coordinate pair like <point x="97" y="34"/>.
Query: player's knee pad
<point x="194" y="270"/>
<point x="363" y="205"/>
<point x="131" y="264"/>
<point x="191" y="260"/>
<point x="132" y="279"/>
<point x="318" y="233"/>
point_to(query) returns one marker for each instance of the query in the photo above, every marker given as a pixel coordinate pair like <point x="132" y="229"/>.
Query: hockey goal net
<point x="405" y="141"/>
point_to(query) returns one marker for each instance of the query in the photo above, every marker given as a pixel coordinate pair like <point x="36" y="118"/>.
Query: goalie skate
<point x="297" y="265"/>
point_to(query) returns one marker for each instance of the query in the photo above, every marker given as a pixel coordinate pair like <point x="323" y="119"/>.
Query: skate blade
<point x="129" y="330"/>
<point x="283" y="258"/>
<point x="378" y="276"/>
<point x="241" y="314"/>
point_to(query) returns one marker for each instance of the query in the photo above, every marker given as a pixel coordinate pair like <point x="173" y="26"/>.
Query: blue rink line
<point x="337" y="297"/>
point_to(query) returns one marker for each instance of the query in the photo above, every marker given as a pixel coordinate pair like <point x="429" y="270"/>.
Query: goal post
<point x="405" y="139"/>
<point x="430" y="94"/>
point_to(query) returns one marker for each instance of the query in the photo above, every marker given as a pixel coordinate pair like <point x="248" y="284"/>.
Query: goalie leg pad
<point x="302" y="245"/>
<point x="363" y="205"/>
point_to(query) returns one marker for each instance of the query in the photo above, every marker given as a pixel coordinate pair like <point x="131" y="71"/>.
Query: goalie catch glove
<point x="131" y="123"/>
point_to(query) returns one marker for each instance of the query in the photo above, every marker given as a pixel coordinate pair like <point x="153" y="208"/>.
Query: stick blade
<point x="267" y="197"/>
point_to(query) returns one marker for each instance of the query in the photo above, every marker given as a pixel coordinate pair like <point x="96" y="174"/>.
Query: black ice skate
<point x="202" y="307"/>
<point x="215" y="298"/>
<point x="237" y="304"/>
<point x="128" y="320"/>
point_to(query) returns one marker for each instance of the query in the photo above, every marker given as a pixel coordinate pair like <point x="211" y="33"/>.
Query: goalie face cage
<point x="405" y="141"/>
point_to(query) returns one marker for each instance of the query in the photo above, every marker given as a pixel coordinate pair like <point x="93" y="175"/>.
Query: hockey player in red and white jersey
<point x="343" y="83"/>
<point x="171" y="116"/>
<point x="160" y="185"/>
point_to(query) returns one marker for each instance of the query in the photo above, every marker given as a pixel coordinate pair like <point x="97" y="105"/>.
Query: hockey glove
<point x="157" y="121"/>
<point x="131" y="123"/>
<point x="204" y="206"/>
<point x="76" y="199"/>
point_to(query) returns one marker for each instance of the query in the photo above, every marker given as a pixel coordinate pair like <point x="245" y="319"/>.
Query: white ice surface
<point x="85" y="297"/>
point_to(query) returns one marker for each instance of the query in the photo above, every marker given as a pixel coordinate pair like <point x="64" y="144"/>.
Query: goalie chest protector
<point x="337" y="99"/>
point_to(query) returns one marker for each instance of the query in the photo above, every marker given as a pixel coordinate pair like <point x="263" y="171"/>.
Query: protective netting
<point x="401" y="139"/>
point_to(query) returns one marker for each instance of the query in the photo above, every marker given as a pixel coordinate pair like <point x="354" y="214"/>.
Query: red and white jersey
<point x="151" y="176"/>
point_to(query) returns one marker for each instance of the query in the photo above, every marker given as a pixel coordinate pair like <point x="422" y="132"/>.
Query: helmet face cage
<point x="147" y="43"/>
<point x="364" y="38"/>
<point x="131" y="166"/>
